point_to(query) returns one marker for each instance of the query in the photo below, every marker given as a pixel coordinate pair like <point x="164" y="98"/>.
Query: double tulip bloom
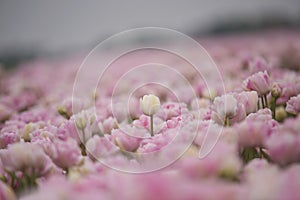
<point x="224" y="107"/>
<point x="259" y="82"/>
<point x="232" y="108"/>
<point x="293" y="105"/>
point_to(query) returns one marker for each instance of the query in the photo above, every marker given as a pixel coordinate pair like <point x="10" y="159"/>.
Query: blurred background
<point x="34" y="28"/>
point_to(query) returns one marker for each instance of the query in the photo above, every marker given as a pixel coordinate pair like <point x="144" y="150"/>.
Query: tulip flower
<point x="224" y="108"/>
<point x="293" y="105"/>
<point x="150" y="104"/>
<point x="259" y="82"/>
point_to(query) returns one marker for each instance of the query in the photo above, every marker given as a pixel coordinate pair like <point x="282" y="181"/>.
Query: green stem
<point x="151" y="125"/>
<point x="249" y="153"/>
<point x="273" y="107"/>
<point x="261" y="155"/>
<point x="83" y="150"/>
<point x="83" y="136"/>
<point x="82" y="144"/>
<point x="28" y="180"/>
<point x="227" y="122"/>
<point x="266" y="101"/>
<point x="13" y="176"/>
<point x="262" y="101"/>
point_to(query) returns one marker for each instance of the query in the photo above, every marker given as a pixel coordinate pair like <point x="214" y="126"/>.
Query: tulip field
<point x="200" y="138"/>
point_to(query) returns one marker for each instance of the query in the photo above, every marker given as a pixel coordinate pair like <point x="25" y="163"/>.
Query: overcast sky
<point x="57" y="25"/>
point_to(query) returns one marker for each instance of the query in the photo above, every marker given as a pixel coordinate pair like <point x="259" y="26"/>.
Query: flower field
<point x="236" y="140"/>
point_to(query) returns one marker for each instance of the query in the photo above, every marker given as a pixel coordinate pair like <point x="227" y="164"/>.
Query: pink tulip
<point x="124" y="141"/>
<point x="284" y="148"/>
<point x="293" y="105"/>
<point x="259" y="82"/>
<point x="27" y="157"/>
<point x="100" y="147"/>
<point x="249" y="100"/>
<point x="66" y="154"/>
<point x="224" y="107"/>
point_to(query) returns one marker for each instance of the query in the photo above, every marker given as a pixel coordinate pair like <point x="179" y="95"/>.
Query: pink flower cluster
<point x="242" y="144"/>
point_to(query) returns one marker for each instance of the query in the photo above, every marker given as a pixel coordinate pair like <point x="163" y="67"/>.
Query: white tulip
<point x="149" y="104"/>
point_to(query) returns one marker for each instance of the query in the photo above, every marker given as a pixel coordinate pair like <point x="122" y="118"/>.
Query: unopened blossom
<point x="259" y="82"/>
<point x="281" y="113"/>
<point x="276" y="90"/>
<point x="71" y="106"/>
<point x="81" y="120"/>
<point x="86" y="123"/>
<point x="149" y="104"/>
<point x="293" y="105"/>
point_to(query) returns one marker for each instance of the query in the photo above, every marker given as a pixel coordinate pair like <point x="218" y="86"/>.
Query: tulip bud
<point x="80" y="120"/>
<point x="280" y="114"/>
<point x="276" y="90"/>
<point x="149" y="104"/>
